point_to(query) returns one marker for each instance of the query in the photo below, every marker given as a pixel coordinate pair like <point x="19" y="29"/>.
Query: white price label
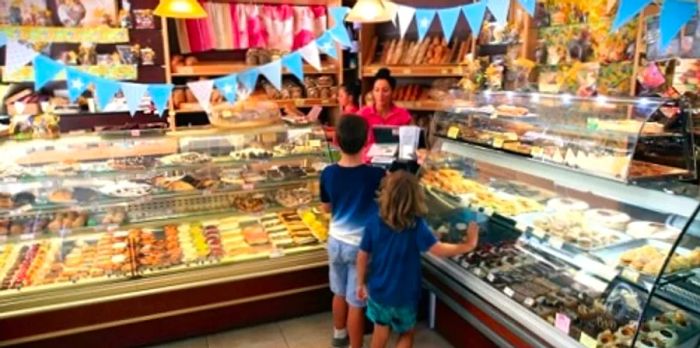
<point x="529" y="302"/>
<point x="464" y="264"/>
<point x="478" y="272"/>
<point x="520" y="226"/>
<point x="508" y="291"/>
<point x="630" y="275"/>
<point x="135" y="133"/>
<point x="488" y="211"/>
<point x="556" y="243"/>
<point x="490" y="277"/>
<point x="275" y="253"/>
<point x="248" y="187"/>
<point x="26" y="236"/>
<point x="538" y="233"/>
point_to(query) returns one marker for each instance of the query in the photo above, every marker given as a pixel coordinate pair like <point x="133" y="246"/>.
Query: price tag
<point x="498" y="143"/>
<point x="588" y="341"/>
<point x="26" y="236"/>
<point x="630" y="275"/>
<point x="325" y="101"/>
<point x="538" y="233"/>
<point x="453" y="132"/>
<point x="275" y="253"/>
<point x="494" y="115"/>
<point x="464" y="264"/>
<point x="185" y="69"/>
<point x="315" y="143"/>
<point x="556" y="243"/>
<point x="529" y="302"/>
<point x="490" y="277"/>
<point x="135" y="133"/>
<point x="562" y="322"/>
<point x="508" y="291"/>
<point x="248" y="187"/>
<point x="478" y="272"/>
<point x="536" y="151"/>
<point x="520" y="226"/>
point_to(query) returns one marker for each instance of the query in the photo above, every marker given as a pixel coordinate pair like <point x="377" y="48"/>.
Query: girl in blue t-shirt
<point x="388" y="264"/>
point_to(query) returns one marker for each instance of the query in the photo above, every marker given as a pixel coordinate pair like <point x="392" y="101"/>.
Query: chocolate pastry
<point x="606" y="322"/>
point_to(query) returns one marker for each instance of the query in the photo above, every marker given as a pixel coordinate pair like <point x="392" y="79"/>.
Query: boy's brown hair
<point x="401" y="200"/>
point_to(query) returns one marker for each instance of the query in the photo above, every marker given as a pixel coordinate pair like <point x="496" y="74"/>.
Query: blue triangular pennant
<point x="499" y="10"/>
<point x="104" y="91"/>
<point x="45" y="70"/>
<point x="448" y="21"/>
<point x="133" y="93"/>
<point x="424" y="18"/>
<point x="249" y="78"/>
<point x="77" y="82"/>
<point x="529" y="6"/>
<point x="273" y="73"/>
<point x="326" y="44"/>
<point x="228" y="86"/>
<point x="160" y="95"/>
<point x="626" y="10"/>
<point x="674" y="14"/>
<point x="3" y="39"/>
<point x="338" y="13"/>
<point x="294" y="64"/>
<point x="340" y="34"/>
<point x="474" y="13"/>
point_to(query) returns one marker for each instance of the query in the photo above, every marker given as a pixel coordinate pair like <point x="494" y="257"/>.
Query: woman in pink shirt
<point x="349" y="98"/>
<point x="384" y="112"/>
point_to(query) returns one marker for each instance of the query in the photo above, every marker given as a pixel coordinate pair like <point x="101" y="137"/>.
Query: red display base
<point x="166" y="316"/>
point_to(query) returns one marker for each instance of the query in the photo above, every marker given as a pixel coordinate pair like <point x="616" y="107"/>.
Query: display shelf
<point x="190" y="108"/>
<point x="220" y="68"/>
<point x="101" y="35"/>
<point x="416" y="70"/>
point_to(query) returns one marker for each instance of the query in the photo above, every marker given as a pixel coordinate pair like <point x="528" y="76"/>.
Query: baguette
<point x="406" y="59"/>
<point x="422" y="50"/>
<point x="392" y="51"/>
<point x="387" y="51"/>
<point x="450" y="52"/>
<point x="399" y="52"/>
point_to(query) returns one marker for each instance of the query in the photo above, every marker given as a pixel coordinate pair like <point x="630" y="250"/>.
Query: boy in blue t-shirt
<point x="348" y="191"/>
<point x="388" y="264"/>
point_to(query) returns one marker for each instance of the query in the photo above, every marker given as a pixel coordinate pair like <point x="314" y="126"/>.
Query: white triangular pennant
<point x="405" y="14"/>
<point x="310" y="55"/>
<point x="202" y="91"/>
<point x="17" y="55"/>
<point x="392" y="9"/>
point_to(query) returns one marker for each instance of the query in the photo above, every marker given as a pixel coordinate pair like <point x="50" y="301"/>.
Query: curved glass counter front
<point x="577" y="256"/>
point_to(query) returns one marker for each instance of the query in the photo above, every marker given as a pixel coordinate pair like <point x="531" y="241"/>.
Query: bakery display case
<point x="89" y="218"/>
<point x="576" y="247"/>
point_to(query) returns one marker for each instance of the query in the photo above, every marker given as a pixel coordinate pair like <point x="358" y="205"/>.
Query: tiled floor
<point x="305" y="332"/>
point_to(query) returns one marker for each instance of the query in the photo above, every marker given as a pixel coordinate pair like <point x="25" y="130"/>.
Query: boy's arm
<point x="361" y="266"/>
<point x="447" y="249"/>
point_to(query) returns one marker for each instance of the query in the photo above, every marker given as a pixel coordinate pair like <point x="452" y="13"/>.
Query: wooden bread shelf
<point x="416" y="70"/>
<point x="193" y="108"/>
<point x="224" y="68"/>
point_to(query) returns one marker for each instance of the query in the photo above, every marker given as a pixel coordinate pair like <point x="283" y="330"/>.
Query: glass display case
<point x="575" y="248"/>
<point x="116" y="208"/>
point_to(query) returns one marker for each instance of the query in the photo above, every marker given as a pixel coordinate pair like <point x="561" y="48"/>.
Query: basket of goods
<point x="244" y="114"/>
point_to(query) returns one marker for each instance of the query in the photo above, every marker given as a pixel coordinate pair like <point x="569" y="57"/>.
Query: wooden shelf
<point x="225" y="68"/>
<point x="300" y="103"/>
<point x="416" y="70"/>
<point x="420" y="105"/>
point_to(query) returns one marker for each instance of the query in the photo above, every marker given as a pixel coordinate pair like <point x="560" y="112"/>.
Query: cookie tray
<point x="611" y="256"/>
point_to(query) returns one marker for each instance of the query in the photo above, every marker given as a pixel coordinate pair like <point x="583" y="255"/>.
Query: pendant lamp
<point x="369" y="11"/>
<point x="180" y="9"/>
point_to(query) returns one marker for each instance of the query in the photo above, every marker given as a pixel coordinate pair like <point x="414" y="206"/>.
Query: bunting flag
<point x="474" y="13"/>
<point x="3" y="39"/>
<point x="340" y="35"/>
<point x="424" y="18"/>
<point x="104" y="91"/>
<point x="160" y="95"/>
<point x="338" y="13"/>
<point x="202" y="92"/>
<point x="448" y="21"/>
<point x="294" y="64"/>
<point x="310" y="55"/>
<point x="133" y="93"/>
<point x="228" y="86"/>
<point x="405" y="15"/>
<point x="326" y="45"/>
<point x="674" y="14"/>
<point x="499" y="10"/>
<point x="77" y="83"/>
<point x="45" y="71"/>
<point x="249" y="78"/>
<point x="273" y="73"/>
<point x="628" y="9"/>
<point x="392" y="9"/>
<point x="529" y="6"/>
<point x="17" y="55"/>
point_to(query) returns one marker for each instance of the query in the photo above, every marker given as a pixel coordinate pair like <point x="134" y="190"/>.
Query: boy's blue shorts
<point x="399" y="319"/>
<point x="343" y="273"/>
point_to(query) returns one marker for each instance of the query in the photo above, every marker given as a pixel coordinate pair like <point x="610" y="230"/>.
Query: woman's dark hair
<point x="351" y="134"/>
<point x="352" y="88"/>
<point x="385" y="74"/>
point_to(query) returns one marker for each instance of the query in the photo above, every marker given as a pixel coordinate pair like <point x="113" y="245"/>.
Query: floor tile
<point x="196" y="342"/>
<point x="262" y="336"/>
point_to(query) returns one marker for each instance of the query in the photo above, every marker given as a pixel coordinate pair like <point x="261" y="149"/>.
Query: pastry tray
<point x="611" y="255"/>
<point x="529" y="220"/>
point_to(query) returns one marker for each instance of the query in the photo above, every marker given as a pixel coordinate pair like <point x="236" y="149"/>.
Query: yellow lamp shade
<point x="369" y="11"/>
<point x="180" y="9"/>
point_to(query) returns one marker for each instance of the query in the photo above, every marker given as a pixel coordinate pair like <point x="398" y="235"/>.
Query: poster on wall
<point x="86" y="13"/>
<point x="22" y="12"/>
